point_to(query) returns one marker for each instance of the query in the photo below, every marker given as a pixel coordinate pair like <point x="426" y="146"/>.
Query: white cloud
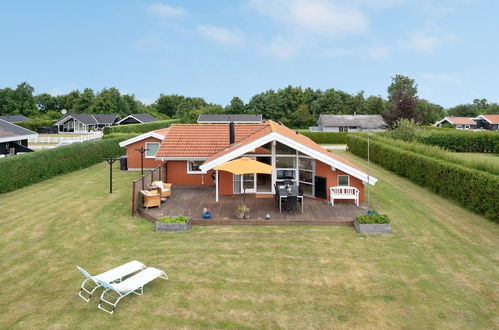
<point x="427" y="43"/>
<point x="441" y="78"/>
<point x="379" y="53"/>
<point x="282" y="47"/>
<point x="222" y="35"/>
<point x="320" y="17"/>
<point x="150" y="42"/>
<point x="166" y="11"/>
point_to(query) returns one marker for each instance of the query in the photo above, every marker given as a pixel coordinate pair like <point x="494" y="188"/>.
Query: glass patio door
<point x="248" y="183"/>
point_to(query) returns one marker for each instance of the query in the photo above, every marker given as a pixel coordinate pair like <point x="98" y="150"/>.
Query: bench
<point x="344" y="192"/>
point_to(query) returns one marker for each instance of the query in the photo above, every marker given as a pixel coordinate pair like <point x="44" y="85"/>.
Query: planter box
<point x="184" y="226"/>
<point x="372" y="228"/>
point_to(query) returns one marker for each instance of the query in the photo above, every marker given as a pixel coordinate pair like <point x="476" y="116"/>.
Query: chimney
<point x="232" y="134"/>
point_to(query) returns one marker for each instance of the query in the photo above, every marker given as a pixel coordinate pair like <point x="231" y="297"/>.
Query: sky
<point x="220" y="49"/>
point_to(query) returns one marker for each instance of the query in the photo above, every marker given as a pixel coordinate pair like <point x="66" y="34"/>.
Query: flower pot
<point x="246" y="215"/>
<point x="372" y="228"/>
<point x="239" y="215"/>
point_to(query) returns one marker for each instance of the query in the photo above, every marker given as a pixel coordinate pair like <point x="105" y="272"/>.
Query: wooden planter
<point x="183" y="226"/>
<point x="372" y="228"/>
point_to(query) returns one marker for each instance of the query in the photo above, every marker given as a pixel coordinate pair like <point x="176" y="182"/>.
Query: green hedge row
<point x="326" y="137"/>
<point x="476" y="190"/>
<point x="23" y="170"/>
<point x="139" y="128"/>
<point x="463" y="141"/>
<point x="34" y="124"/>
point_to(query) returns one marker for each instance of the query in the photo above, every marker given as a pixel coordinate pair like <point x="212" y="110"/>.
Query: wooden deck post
<point x="216" y="185"/>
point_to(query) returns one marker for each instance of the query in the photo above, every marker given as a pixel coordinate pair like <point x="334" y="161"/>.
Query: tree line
<point x="293" y="106"/>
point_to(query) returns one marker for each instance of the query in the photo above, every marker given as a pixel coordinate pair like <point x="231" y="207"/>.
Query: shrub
<point x="34" y="123"/>
<point x="476" y="190"/>
<point x="326" y="137"/>
<point x="372" y="218"/>
<point x="462" y="141"/>
<point x="177" y="219"/>
<point x="139" y="128"/>
<point x="407" y="130"/>
<point x="496" y="148"/>
<point x="23" y="170"/>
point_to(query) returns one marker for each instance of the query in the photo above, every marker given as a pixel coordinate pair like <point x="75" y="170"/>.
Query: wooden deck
<point x="190" y="201"/>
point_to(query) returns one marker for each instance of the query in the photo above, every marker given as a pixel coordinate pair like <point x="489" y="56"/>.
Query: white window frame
<point x="153" y="156"/>
<point x="338" y="180"/>
<point x="189" y="171"/>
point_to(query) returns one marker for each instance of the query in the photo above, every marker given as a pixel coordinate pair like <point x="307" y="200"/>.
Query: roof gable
<point x="158" y="134"/>
<point x="140" y="117"/>
<point x="12" y="132"/>
<point x="492" y="119"/>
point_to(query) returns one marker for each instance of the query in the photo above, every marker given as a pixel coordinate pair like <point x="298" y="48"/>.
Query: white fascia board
<point x="180" y="158"/>
<point x="18" y="137"/>
<point x="237" y="152"/>
<point x="129" y="116"/>
<point x="441" y="121"/>
<point x="326" y="159"/>
<point x="141" y="137"/>
<point x="484" y="118"/>
<point x="62" y="121"/>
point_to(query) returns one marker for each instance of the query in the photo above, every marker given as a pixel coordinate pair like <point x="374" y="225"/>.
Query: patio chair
<point x="150" y="199"/>
<point x="130" y="285"/>
<point x="290" y="202"/>
<point x="113" y="275"/>
<point x="165" y="188"/>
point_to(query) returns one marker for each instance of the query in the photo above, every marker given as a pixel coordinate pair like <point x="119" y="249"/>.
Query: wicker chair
<point x="165" y="189"/>
<point x="150" y="199"/>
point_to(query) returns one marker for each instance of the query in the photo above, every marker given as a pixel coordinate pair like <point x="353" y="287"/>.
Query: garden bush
<point x="372" y="218"/>
<point x="462" y="141"/>
<point x="139" y="128"/>
<point x="26" y="169"/>
<point x="326" y="137"/>
<point x="34" y="123"/>
<point x="476" y="190"/>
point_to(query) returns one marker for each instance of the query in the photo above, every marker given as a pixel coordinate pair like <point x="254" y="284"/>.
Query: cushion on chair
<point x="147" y="193"/>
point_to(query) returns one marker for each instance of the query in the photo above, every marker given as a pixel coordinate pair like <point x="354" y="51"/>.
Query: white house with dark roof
<point x="350" y="123"/>
<point x="14" y="138"/>
<point x="85" y="122"/>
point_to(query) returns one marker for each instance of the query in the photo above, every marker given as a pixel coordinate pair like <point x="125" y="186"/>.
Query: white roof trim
<point x="18" y="137"/>
<point x="63" y="120"/>
<point x="181" y="158"/>
<point x="119" y="122"/>
<point x="485" y="118"/>
<point x="142" y="137"/>
<point x="291" y="143"/>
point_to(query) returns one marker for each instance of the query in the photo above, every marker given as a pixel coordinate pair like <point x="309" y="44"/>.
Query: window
<point x="285" y="174"/>
<point x="193" y="166"/>
<point x="284" y="149"/>
<point x="343" y="180"/>
<point x="285" y="162"/>
<point x="153" y="148"/>
<point x="343" y="129"/>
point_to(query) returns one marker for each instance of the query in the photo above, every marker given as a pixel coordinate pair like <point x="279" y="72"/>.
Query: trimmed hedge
<point x="34" y="124"/>
<point x="463" y="141"/>
<point x="326" y="137"/>
<point x="139" y="128"/>
<point x="475" y="190"/>
<point x="26" y="169"/>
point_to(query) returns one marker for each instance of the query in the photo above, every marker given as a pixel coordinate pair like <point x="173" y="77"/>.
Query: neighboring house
<point x="225" y="119"/>
<point x="458" y="122"/>
<point x="14" y="138"/>
<point x="137" y="118"/>
<point x="349" y="123"/>
<point x="14" y="118"/>
<point x="85" y="122"/>
<point x="489" y="122"/>
<point x="192" y="151"/>
<point x="150" y="140"/>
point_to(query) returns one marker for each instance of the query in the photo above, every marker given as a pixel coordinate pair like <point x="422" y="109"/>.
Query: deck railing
<point x="142" y="183"/>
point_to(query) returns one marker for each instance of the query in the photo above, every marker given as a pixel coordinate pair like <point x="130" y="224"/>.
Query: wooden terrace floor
<point x="190" y="201"/>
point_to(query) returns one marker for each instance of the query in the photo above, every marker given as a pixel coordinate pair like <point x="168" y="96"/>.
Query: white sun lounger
<point x="112" y="275"/>
<point x="131" y="284"/>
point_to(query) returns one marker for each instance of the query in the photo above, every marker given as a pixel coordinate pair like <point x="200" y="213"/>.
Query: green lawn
<point x="439" y="269"/>
<point x="492" y="160"/>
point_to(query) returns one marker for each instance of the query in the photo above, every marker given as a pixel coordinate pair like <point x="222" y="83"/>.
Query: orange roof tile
<point x="461" y="121"/>
<point x="162" y="131"/>
<point x="494" y="119"/>
<point x="202" y="140"/>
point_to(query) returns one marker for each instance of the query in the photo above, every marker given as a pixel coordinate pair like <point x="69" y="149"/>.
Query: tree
<point x="402" y="85"/>
<point x="7" y="102"/>
<point x="431" y="112"/>
<point x="236" y="106"/>
<point x="46" y="102"/>
<point x="24" y="100"/>
<point x="463" y="110"/>
<point x="84" y="102"/>
<point x="403" y="106"/>
<point x="375" y="105"/>
<point x="303" y="115"/>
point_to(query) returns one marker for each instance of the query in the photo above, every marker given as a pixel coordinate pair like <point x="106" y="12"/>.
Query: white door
<point x="248" y="183"/>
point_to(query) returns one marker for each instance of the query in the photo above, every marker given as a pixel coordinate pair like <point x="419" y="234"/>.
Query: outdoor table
<point x="283" y="193"/>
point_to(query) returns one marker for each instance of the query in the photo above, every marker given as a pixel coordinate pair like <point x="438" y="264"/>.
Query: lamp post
<point x="142" y="150"/>
<point x="110" y="161"/>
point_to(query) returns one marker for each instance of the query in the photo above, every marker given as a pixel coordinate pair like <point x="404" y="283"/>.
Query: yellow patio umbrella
<point x="243" y="165"/>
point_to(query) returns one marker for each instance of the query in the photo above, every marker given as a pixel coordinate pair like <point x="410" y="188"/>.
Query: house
<point x="85" y="122"/>
<point x="226" y="119"/>
<point x="349" y="123"/>
<point x="192" y="151"/>
<point x="14" y="118"/>
<point x="137" y="118"/>
<point x="14" y="138"/>
<point x="151" y="141"/>
<point x="489" y="122"/>
<point x="458" y="122"/>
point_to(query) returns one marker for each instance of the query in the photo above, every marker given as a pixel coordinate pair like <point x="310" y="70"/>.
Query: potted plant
<point x="206" y="213"/>
<point x="178" y="223"/>
<point x="241" y="211"/>
<point x="372" y="223"/>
